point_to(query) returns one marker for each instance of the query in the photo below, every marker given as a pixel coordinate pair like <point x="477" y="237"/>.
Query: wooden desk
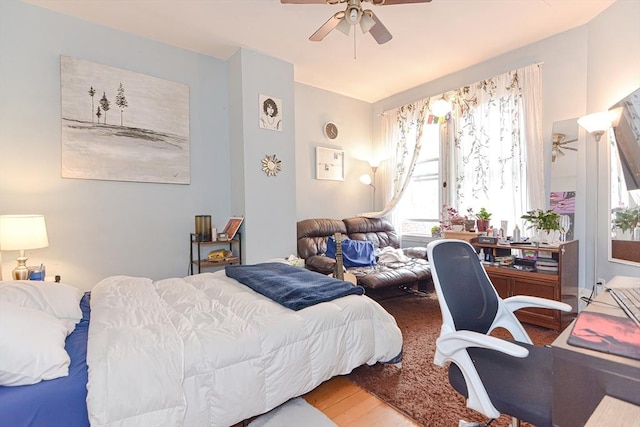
<point x="611" y="411"/>
<point x="582" y="377"/>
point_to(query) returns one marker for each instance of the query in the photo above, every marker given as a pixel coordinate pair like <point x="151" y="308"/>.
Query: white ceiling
<point x="430" y="40"/>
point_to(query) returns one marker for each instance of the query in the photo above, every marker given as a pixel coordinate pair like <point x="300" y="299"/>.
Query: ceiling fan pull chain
<point x="354" y="43"/>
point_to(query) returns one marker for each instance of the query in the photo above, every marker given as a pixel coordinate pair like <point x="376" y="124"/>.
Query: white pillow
<point x="57" y="299"/>
<point x="31" y="346"/>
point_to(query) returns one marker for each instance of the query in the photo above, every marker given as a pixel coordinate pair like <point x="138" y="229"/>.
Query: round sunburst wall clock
<point x="271" y="165"/>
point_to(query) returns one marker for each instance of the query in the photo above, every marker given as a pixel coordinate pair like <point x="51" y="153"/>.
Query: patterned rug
<point x="421" y="389"/>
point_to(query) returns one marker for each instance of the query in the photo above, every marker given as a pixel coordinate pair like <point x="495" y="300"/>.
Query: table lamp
<point x="20" y="232"/>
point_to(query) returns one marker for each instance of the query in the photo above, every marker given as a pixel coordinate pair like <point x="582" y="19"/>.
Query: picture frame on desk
<point x="232" y="227"/>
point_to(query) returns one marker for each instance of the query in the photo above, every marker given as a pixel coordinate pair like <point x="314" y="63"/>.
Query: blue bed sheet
<point x="59" y="402"/>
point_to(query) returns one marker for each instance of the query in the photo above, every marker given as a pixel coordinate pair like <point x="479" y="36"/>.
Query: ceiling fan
<point x="559" y="145"/>
<point x="354" y="14"/>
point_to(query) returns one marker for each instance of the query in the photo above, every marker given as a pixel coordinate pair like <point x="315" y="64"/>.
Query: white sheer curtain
<point x="498" y="149"/>
<point x="404" y="134"/>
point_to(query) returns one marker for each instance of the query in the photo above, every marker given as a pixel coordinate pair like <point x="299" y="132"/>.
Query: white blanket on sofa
<point x="206" y="350"/>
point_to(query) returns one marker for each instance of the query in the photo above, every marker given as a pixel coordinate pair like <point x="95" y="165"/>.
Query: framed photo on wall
<point x="329" y="164"/>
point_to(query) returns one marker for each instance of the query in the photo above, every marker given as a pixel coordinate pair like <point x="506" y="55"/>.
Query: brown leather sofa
<point x="312" y="246"/>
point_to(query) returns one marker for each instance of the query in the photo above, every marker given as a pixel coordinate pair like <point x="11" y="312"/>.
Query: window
<point x="419" y="208"/>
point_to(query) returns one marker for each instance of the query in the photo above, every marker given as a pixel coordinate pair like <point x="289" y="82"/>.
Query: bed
<point x="204" y="350"/>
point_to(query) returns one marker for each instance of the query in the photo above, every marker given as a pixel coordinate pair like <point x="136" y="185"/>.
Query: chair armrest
<point x="521" y="301"/>
<point x="452" y="342"/>
<point x="321" y="264"/>
<point x="451" y="346"/>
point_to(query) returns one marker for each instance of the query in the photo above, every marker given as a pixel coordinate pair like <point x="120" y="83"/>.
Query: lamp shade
<point x="366" y="179"/>
<point x="596" y="122"/>
<point x="19" y="232"/>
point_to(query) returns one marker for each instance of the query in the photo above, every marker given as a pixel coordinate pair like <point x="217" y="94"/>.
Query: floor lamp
<point x="367" y="180"/>
<point x="596" y="124"/>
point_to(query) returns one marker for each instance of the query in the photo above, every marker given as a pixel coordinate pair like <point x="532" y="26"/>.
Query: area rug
<point x="293" y="413"/>
<point x="420" y="389"/>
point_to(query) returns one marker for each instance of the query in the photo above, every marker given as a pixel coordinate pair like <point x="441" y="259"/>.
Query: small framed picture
<point x="232" y="226"/>
<point x="329" y="164"/>
<point x="270" y="113"/>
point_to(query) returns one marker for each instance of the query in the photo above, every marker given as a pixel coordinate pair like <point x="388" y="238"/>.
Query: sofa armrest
<point x="321" y="264"/>
<point x="416" y="252"/>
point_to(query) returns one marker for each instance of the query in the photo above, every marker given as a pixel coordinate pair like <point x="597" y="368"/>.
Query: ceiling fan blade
<point x="327" y="27"/>
<point x="378" y="31"/>
<point x="392" y="2"/>
<point x="570" y="148"/>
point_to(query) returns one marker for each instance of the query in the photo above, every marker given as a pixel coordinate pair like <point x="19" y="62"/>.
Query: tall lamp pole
<point x="596" y="124"/>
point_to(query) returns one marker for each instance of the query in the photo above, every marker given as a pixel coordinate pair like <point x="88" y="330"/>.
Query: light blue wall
<point x="99" y="228"/>
<point x="268" y="203"/>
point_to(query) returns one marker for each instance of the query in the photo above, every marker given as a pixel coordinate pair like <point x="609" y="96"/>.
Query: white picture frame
<point x="329" y="164"/>
<point x="119" y="125"/>
<point x="270" y="113"/>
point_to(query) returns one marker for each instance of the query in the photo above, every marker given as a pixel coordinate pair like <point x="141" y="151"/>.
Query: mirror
<point x="564" y="164"/>
<point x="624" y="173"/>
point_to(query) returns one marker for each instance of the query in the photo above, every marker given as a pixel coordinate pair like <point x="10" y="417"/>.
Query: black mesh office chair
<point x="495" y="375"/>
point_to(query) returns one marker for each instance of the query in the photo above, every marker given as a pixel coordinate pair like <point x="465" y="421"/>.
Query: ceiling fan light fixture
<point x="354" y="15"/>
<point x="343" y="26"/>
<point x="366" y="21"/>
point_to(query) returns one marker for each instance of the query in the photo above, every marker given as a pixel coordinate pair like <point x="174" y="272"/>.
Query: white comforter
<point x="206" y="350"/>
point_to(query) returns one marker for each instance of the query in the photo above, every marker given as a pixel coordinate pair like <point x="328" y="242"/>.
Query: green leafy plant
<point x="436" y="230"/>
<point x="627" y="219"/>
<point x="543" y="220"/>
<point x="482" y="215"/>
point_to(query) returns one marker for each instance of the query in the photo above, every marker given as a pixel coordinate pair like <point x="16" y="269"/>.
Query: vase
<point x="469" y="225"/>
<point x="483" y="224"/>
<point x="549" y="237"/>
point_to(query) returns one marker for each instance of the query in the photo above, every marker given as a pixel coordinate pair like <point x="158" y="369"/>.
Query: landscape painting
<point x="120" y="125"/>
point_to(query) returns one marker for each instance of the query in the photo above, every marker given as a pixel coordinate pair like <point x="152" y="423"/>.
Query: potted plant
<point x="451" y="219"/>
<point x="545" y="223"/>
<point x="626" y="219"/>
<point x="436" y="231"/>
<point x="482" y="218"/>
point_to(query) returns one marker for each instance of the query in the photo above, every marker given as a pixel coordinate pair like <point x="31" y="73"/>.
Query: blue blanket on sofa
<point x="293" y="287"/>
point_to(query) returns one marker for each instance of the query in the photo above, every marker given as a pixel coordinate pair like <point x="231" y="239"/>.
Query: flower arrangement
<point x="543" y="220"/>
<point x="451" y="217"/>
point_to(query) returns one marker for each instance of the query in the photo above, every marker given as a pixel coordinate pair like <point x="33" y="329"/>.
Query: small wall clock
<point x="330" y="130"/>
<point x="271" y="165"/>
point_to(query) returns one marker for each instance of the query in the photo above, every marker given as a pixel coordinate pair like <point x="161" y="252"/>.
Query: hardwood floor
<point x="348" y="405"/>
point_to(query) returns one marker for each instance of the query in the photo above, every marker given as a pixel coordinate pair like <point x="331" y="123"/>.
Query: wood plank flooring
<point x="348" y="405"/>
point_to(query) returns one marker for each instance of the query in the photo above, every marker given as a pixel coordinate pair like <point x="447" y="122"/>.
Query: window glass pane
<point x="419" y="208"/>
